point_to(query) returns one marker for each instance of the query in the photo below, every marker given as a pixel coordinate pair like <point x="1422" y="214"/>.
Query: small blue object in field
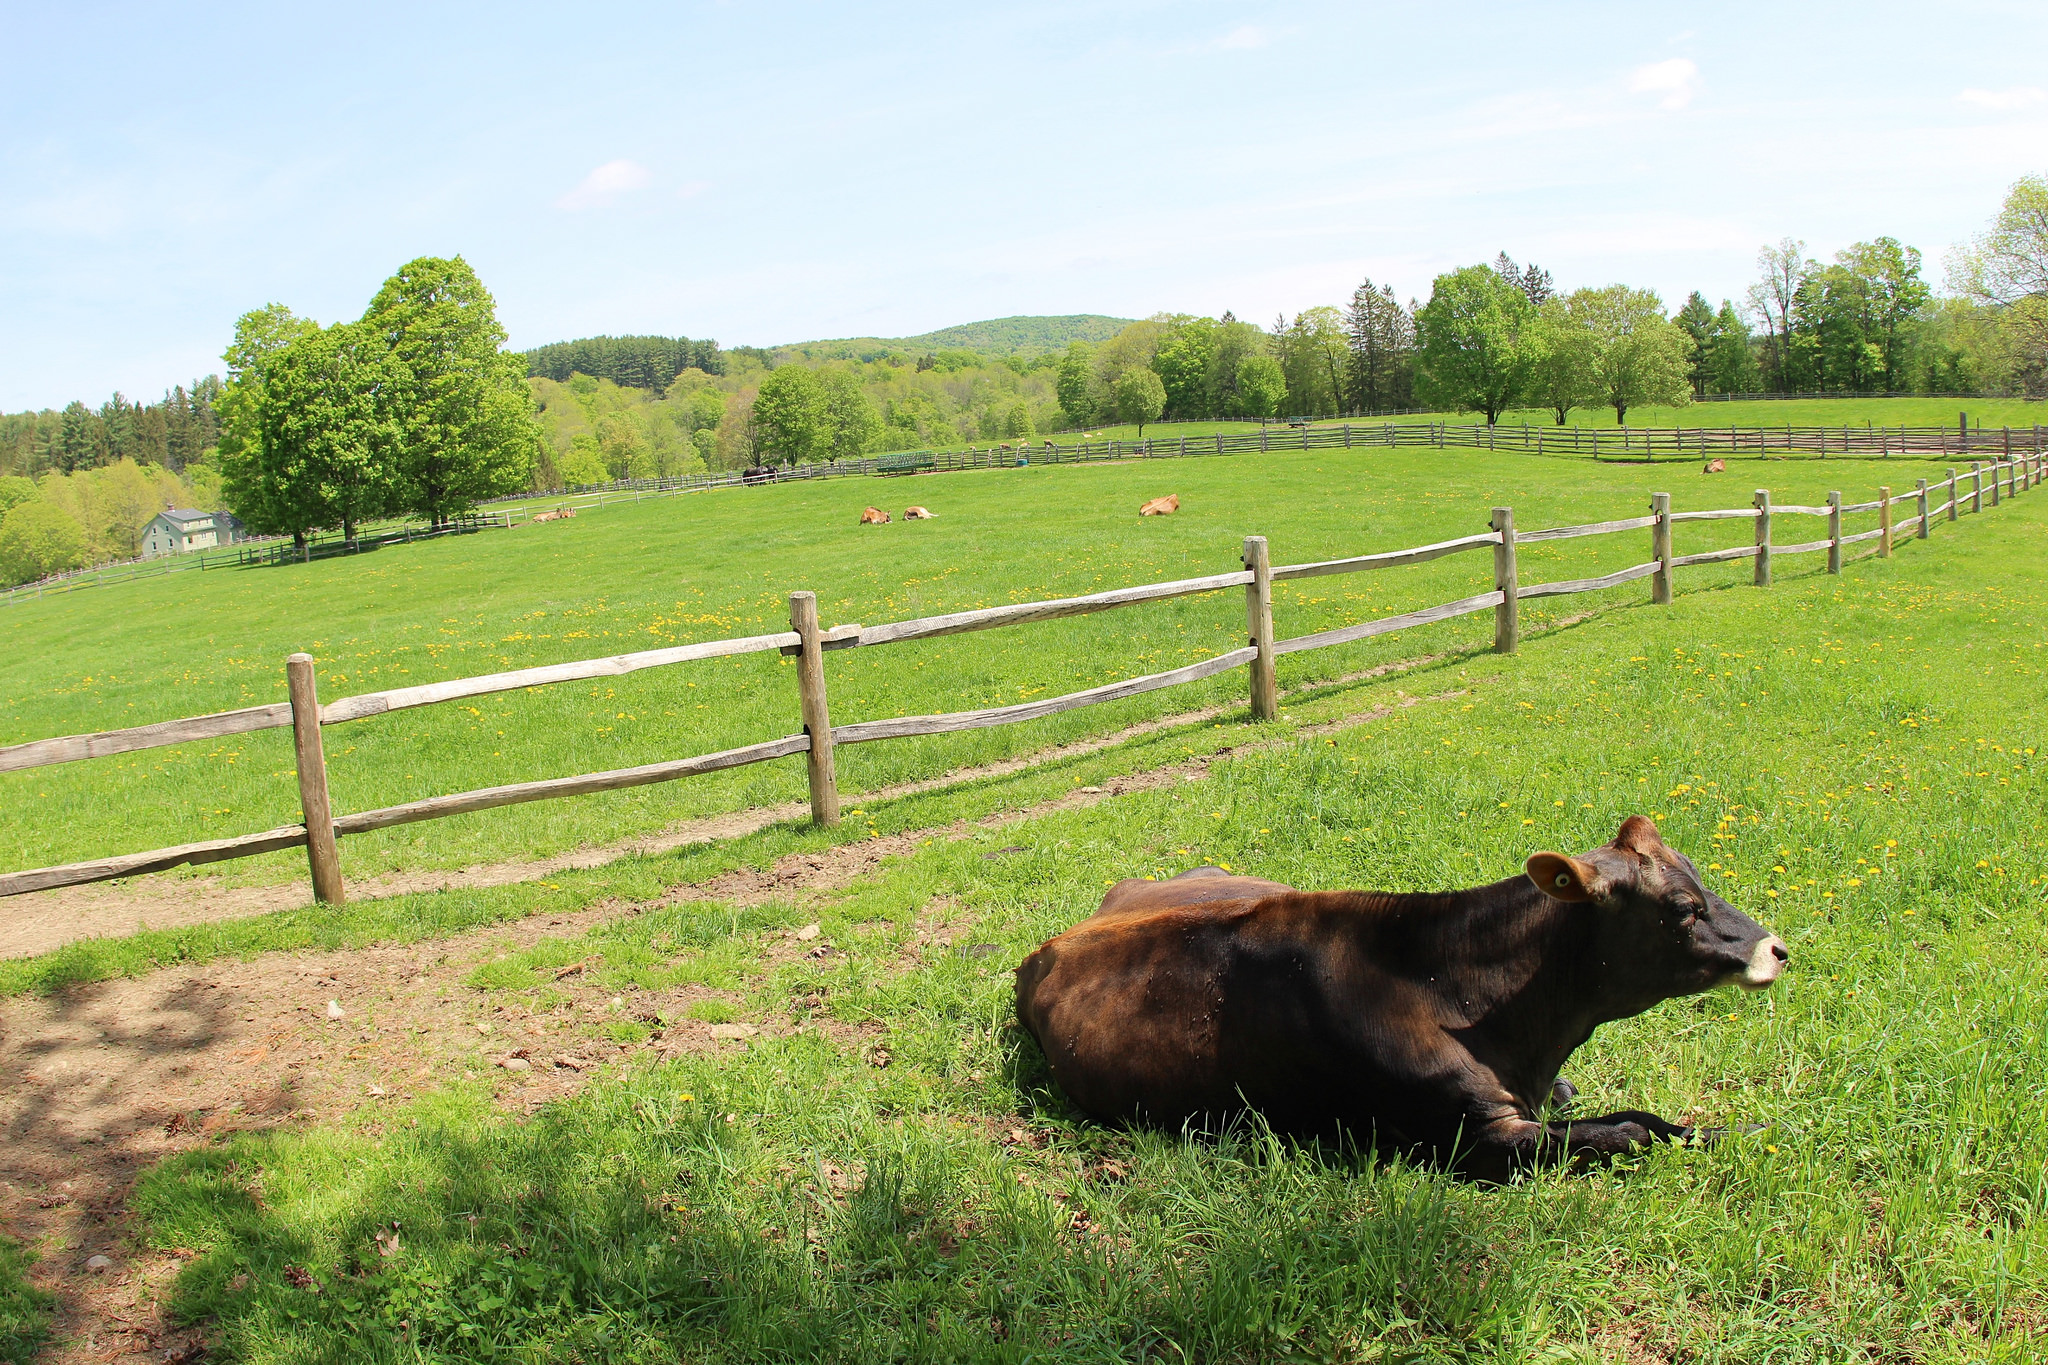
<point x="1022" y="461"/>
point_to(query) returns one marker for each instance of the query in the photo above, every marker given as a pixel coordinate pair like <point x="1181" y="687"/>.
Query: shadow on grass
<point x="639" y="1222"/>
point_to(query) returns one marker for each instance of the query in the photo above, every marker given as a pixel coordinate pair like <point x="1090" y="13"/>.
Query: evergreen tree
<point x="1380" y="350"/>
<point x="1076" y="384"/>
<point x="1696" y="319"/>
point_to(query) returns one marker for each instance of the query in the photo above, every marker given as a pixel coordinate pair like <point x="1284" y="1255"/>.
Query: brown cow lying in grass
<point x="559" y="514"/>
<point x="1161" y="507"/>
<point x="873" y="516"/>
<point x="1432" y="1024"/>
<point x="918" y="514"/>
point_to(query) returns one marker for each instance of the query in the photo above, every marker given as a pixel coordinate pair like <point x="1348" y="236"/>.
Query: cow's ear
<point x="1638" y="835"/>
<point x="1560" y="877"/>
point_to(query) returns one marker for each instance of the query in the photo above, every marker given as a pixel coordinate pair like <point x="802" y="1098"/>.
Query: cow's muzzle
<point x="1766" y="961"/>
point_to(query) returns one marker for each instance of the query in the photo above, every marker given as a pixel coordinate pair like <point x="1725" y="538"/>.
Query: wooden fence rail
<point x="320" y="828"/>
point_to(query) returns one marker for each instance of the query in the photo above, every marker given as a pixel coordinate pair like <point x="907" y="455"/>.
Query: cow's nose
<point x="1766" y="960"/>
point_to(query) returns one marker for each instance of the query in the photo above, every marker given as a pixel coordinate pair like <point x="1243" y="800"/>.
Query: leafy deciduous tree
<point x="462" y="401"/>
<point x="1477" y="343"/>
<point x="1140" y="396"/>
<point x="1638" y="353"/>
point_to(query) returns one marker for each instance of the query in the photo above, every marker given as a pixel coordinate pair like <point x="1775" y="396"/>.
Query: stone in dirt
<point x="516" y="1064"/>
<point x="807" y="933"/>
<point x="97" y="1262"/>
<point x="733" y="1031"/>
<point x="335" y="1011"/>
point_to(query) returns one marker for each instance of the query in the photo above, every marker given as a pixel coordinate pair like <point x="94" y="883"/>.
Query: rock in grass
<point x="97" y="1263"/>
<point x="516" y="1064"/>
<point x="335" y="1011"/>
<point x="733" y="1031"/>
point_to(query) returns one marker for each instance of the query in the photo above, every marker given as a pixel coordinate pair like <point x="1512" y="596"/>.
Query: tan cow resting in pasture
<point x="918" y="514"/>
<point x="874" y="516"/>
<point x="1717" y="466"/>
<point x="1161" y="507"/>
<point x="559" y="514"/>
<point x="1430" y="1024"/>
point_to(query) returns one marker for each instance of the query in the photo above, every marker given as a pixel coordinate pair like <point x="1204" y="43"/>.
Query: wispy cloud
<point x="1674" y="82"/>
<point x="2004" y="101"/>
<point x="604" y="185"/>
<point x="1243" y="38"/>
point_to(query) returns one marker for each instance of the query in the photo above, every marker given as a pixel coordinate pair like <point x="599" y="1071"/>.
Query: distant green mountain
<point x="1020" y="336"/>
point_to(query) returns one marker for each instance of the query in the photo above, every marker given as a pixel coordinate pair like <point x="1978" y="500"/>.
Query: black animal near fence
<point x="809" y="642"/>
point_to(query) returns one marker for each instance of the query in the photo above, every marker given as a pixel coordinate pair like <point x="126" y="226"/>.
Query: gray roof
<point x="186" y="514"/>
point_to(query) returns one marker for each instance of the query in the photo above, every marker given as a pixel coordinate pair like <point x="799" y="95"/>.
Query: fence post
<point x="1258" y="610"/>
<point x="1835" y="532"/>
<point x="1955" y="495"/>
<point x="810" y="684"/>
<point x="1976" y="485"/>
<point x="1660" y="549"/>
<point x="1994" y="483"/>
<point x="1884" y="522"/>
<point x="1763" y="537"/>
<point x="1507" y="618"/>
<point x="323" y="859"/>
<point x="1921" y="530"/>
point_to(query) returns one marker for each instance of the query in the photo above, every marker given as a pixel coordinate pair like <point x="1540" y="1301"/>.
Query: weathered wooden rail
<point x="321" y="830"/>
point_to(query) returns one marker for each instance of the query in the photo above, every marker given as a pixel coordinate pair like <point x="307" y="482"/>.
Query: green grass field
<point x="709" y="565"/>
<point x="1851" y="758"/>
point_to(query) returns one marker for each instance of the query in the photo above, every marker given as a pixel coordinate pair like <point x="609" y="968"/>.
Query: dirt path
<point x="100" y="1082"/>
<point x="48" y="920"/>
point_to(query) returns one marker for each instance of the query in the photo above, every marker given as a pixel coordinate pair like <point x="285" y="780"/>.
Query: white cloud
<point x="1674" y="82"/>
<point x="605" y="184"/>
<point x="2004" y="101"/>
<point x="1243" y="38"/>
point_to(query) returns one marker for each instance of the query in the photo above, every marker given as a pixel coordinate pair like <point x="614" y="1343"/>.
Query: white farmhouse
<point x="180" y="530"/>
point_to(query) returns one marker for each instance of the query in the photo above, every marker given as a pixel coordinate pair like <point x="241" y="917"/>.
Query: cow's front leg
<point x="1616" y="1134"/>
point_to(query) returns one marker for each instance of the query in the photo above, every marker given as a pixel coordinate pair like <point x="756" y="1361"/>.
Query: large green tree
<point x="1731" y="359"/>
<point x="1076" y="384"/>
<point x="1639" y="355"/>
<point x="1140" y="396"/>
<point x="329" y="424"/>
<point x="261" y="335"/>
<point x="462" y="404"/>
<point x="1562" y="377"/>
<point x="852" y="423"/>
<point x="1261" y="386"/>
<point x="790" y="418"/>
<point x="1478" y="341"/>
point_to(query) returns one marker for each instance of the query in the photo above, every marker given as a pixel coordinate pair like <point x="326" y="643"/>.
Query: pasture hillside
<point x="719" y="564"/>
<point x="769" y="1104"/>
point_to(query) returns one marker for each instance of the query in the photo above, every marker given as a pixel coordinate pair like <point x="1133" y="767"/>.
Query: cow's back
<point x="1192" y="998"/>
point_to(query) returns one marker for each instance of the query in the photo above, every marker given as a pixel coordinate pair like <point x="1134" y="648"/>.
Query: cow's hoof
<point x="1563" y="1094"/>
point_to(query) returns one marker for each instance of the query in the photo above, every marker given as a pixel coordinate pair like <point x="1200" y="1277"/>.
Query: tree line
<point x="639" y="362"/>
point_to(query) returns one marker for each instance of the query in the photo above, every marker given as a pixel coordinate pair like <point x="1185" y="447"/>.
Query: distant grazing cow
<point x="874" y="516"/>
<point x="1161" y="507"/>
<point x="1431" y="1024"/>
<point x="759" y="473"/>
<point x="918" y="514"/>
<point x="1717" y="466"/>
<point x="559" y="514"/>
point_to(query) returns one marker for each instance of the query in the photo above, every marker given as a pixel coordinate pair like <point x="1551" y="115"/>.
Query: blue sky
<point x="762" y="174"/>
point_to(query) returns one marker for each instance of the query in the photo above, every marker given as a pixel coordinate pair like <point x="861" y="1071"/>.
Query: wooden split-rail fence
<point x="809" y="642"/>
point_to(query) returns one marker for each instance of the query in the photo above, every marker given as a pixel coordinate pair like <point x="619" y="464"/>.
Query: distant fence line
<point x="1616" y="444"/>
<point x="321" y="830"/>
